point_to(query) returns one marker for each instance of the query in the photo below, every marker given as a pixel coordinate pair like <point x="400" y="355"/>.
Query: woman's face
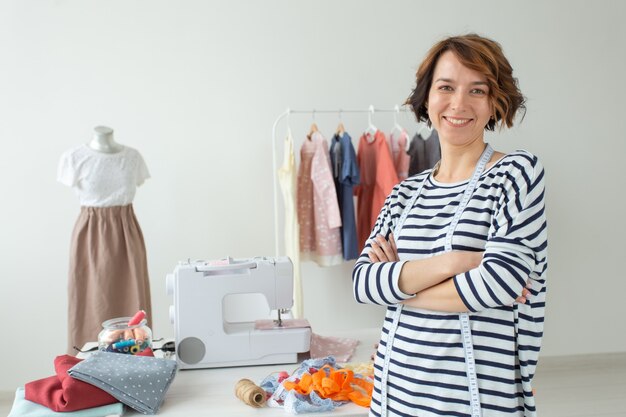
<point x="459" y="106"/>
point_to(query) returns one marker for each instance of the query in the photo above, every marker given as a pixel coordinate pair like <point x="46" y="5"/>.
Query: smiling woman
<point x="465" y="86"/>
<point x="458" y="253"/>
<point x="458" y="101"/>
<point x="486" y="60"/>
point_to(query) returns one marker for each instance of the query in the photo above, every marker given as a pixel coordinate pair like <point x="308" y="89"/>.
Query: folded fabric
<point x="63" y="393"/>
<point x="138" y="381"/>
<point x="24" y="408"/>
<point x="341" y="348"/>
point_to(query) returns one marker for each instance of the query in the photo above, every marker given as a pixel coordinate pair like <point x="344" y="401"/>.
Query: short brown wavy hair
<point x="479" y="54"/>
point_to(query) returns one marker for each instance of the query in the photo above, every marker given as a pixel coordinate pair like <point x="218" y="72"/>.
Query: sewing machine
<point x="206" y="336"/>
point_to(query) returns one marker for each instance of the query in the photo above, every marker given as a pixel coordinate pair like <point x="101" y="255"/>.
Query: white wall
<point x="196" y="86"/>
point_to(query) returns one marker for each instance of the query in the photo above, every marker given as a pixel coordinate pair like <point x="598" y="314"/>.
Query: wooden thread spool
<point x="250" y="393"/>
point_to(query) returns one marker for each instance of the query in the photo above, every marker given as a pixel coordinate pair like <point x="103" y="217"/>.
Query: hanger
<point x="396" y="125"/>
<point x="313" y="128"/>
<point x="288" y="122"/>
<point x="340" y="128"/>
<point x="371" y="129"/>
<point x="424" y="130"/>
<point x="312" y="131"/>
<point x="398" y="129"/>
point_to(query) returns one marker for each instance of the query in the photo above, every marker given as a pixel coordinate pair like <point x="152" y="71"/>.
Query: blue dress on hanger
<point x="346" y="175"/>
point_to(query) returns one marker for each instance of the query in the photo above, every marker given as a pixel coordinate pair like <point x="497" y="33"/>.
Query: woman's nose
<point x="458" y="101"/>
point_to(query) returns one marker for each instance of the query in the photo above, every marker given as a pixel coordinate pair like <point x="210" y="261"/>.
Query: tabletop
<point x="210" y="392"/>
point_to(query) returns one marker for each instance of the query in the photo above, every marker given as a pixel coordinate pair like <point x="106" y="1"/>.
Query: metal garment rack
<point x="370" y="111"/>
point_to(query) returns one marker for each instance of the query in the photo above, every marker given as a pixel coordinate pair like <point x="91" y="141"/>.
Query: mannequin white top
<point x="103" y="179"/>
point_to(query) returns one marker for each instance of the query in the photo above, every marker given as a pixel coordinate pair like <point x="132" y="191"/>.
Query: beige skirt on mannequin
<point x="108" y="275"/>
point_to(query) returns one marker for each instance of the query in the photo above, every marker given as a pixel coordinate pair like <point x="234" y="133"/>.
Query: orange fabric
<point x="378" y="177"/>
<point x="338" y="385"/>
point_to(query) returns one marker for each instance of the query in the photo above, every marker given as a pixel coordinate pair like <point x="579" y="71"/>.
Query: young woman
<point x="458" y="253"/>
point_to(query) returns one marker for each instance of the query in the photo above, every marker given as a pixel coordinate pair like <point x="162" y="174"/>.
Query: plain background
<point x="195" y="86"/>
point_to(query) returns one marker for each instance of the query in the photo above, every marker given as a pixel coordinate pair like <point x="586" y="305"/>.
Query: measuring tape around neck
<point x="466" y="334"/>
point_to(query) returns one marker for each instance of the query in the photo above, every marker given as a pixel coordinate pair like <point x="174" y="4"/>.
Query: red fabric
<point x="63" y="393"/>
<point x="378" y="177"/>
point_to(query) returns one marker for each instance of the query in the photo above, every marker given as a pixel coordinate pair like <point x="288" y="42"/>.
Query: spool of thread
<point x="136" y="319"/>
<point x="124" y="343"/>
<point x="250" y="393"/>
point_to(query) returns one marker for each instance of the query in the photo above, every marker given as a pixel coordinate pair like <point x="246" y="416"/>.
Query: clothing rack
<point x="370" y="111"/>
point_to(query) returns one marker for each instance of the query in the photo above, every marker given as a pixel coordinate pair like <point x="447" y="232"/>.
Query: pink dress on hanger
<point x="318" y="208"/>
<point x="398" y="144"/>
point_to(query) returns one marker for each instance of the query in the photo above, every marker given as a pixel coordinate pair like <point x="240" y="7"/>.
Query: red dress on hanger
<point x="378" y="177"/>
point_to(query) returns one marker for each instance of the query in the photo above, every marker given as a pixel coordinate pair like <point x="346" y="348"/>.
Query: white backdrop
<point x="196" y="85"/>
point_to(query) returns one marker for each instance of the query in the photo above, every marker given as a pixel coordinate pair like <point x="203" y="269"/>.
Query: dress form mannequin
<point x="103" y="140"/>
<point x="108" y="271"/>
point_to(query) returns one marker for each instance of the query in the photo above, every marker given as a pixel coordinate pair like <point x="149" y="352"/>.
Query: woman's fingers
<point x="376" y="254"/>
<point x="372" y="255"/>
<point x="382" y="250"/>
<point x="387" y="248"/>
<point x="524" y="297"/>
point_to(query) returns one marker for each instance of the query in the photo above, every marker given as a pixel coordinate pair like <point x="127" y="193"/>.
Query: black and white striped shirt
<point x="505" y="218"/>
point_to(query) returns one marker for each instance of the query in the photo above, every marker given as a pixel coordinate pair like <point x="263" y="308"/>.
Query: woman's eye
<point x="445" y="88"/>
<point x="478" y="91"/>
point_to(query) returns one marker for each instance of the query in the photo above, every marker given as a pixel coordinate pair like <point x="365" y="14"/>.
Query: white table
<point x="210" y="392"/>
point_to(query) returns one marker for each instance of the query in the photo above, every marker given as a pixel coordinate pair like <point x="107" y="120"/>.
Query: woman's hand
<point x="525" y="294"/>
<point x="382" y="250"/>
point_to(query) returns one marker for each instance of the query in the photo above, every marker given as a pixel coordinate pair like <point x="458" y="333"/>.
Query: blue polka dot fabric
<point x="137" y="381"/>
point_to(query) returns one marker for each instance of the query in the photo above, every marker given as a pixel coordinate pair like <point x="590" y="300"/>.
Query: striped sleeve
<point x="377" y="283"/>
<point x="516" y="248"/>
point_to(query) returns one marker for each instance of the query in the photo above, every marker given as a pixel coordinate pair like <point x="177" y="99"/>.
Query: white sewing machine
<point x="206" y="337"/>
